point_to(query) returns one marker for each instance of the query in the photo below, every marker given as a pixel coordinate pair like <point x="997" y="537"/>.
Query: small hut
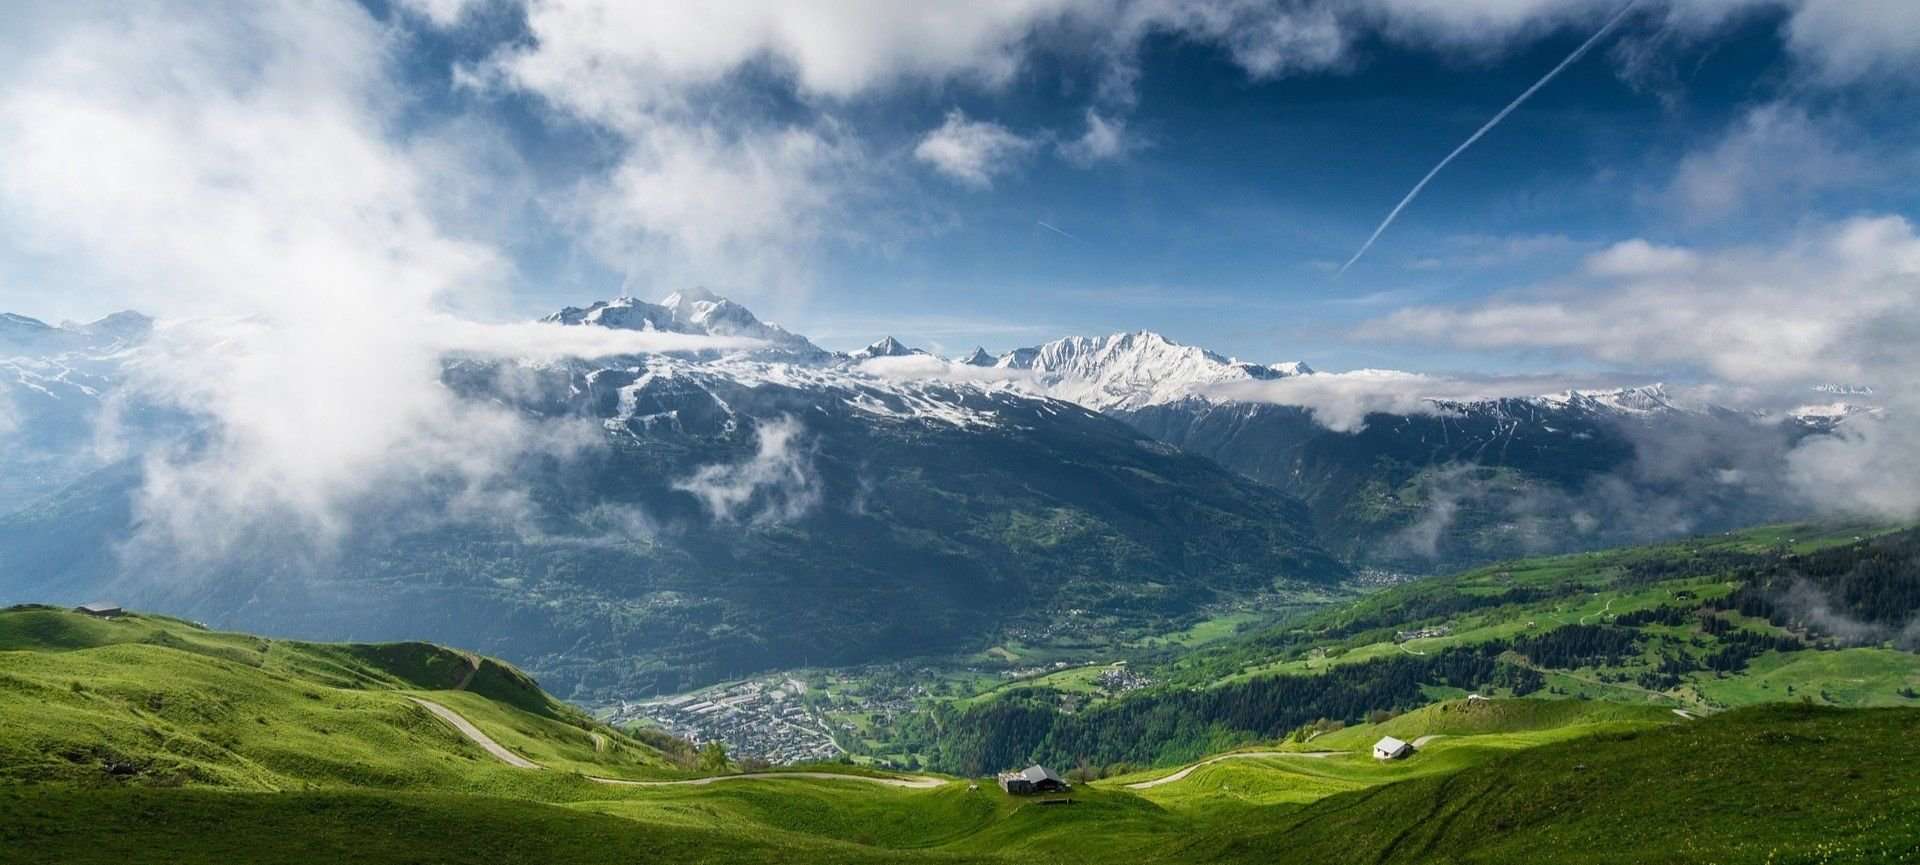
<point x="99" y="610"/>
<point x="1033" y="779"/>
<point x="1389" y="748"/>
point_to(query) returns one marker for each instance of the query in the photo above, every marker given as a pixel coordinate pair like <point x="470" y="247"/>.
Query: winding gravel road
<point x="485" y="741"/>
<point x="1148" y="785"/>
<point x="500" y="752"/>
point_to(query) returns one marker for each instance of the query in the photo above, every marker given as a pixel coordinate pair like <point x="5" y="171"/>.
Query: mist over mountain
<point x="688" y="515"/>
<point x="702" y="514"/>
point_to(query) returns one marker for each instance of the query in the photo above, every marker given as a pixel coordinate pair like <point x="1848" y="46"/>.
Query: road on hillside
<point x="1148" y="785"/>
<point x="500" y="752"/>
<point x="915" y="782"/>
<point x="485" y="741"/>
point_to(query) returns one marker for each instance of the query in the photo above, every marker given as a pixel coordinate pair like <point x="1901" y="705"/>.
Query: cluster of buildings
<point x="1119" y="679"/>
<point x="765" y="720"/>
<point x="1421" y="633"/>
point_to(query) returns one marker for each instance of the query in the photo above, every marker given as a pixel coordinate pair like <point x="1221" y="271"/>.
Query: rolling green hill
<point x="1702" y="625"/>
<point x="149" y="739"/>
<point x="160" y="701"/>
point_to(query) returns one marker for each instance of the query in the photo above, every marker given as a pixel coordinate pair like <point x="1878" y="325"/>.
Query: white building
<point x="1389" y="748"/>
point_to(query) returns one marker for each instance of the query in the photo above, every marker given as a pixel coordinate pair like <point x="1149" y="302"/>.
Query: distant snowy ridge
<point x="1130" y="370"/>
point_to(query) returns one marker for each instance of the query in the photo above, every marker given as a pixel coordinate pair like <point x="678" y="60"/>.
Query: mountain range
<point x="786" y="504"/>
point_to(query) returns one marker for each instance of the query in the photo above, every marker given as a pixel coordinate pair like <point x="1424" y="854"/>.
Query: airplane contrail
<point x="1044" y="225"/>
<point x="1571" y="58"/>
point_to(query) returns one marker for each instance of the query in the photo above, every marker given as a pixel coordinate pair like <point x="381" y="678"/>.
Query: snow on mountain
<point x="696" y="311"/>
<point x="978" y="357"/>
<point x="886" y="347"/>
<point x="1131" y="370"/>
<point x="1642" y="400"/>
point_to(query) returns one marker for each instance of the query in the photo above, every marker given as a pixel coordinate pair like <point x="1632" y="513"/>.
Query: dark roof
<point x="99" y="607"/>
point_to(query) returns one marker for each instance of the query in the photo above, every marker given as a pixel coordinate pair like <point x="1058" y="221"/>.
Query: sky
<point x="995" y="173"/>
<point x="323" y="199"/>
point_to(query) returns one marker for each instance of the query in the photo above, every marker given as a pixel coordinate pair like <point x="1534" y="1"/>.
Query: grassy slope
<point x="162" y="701"/>
<point x="1779" y="784"/>
<point x="294" y="752"/>
<point x="1470" y="734"/>
<point x="1775" y="784"/>
<point x="1590" y="588"/>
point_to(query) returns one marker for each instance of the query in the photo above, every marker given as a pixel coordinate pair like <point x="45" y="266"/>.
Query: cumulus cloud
<point x="1638" y="258"/>
<point x="777" y="484"/>
<point x="709" y="185"/>
<point x="1106" y="139"/>
<point x="1777" y="154"/>
<point x="695" y="202"/>
<point x="972" y="152"/>
<point x="1834" y="303"/>
<point x="259" y="194"/>
<point x="1821" y="307"/>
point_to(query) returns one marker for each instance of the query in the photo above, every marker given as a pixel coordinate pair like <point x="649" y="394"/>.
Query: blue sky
<point x="778" y="156"/>
<point x="1236" y="191"/>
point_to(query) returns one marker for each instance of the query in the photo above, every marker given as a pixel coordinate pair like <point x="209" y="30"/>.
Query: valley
<point x="148" y="738"/>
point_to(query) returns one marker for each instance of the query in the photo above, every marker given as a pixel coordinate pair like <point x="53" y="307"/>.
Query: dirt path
<point x="910" y="782"/>
<point x="1183" y="773"/>
<point x="485" y="741"/>
<point x="473" y="668"/>
<point x="1423" y="740"/>
<point x="500" y="752"/>
<point x="1602" y="613"/>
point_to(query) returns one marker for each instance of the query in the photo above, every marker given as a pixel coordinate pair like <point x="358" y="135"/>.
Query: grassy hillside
<point x="1781" y="784"/>
<point x="146" y="738"/>
<point x="159" y="701"/>
<point x="1774" y="614"/>
<point x="1760" y="786"/>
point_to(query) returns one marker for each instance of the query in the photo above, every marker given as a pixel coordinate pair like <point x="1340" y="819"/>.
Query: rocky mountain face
<point x="756" y="509"/>
<point x="792" y="505"/>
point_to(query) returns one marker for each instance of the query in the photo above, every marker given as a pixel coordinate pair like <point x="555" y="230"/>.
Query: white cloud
<point x="694" y="203"/>
<point x="1341" y="401"/>
<point x="1822" y="307"/>
<point x="259" y="179"/>
<point x="1106" y="139"/>
<point x="1775" y="154"/>
<point x="1847" y="40"/>
<point x="777" y="484"/>
<point x="1637" y="257"/>
<point x="926" y="367"/>
<point x="972" y="152"/>
<point x="442" y="13"/>
<point x="1837" y="302"/>
<point x="665" y="80"/>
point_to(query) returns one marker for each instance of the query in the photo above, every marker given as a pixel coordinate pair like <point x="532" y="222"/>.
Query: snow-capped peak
<point x="978" y="357"/>
<point x="1645" y="399"/>
<point x="1132" y="370"/>
<point x="885" y="347"/>
<point x="694" y="310"/>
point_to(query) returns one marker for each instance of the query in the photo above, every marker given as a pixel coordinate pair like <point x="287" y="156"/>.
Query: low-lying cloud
<point x="1341" y="401"/>
<point x="926" y="367"/>
<point x="776" y="484"/>
<point x="259" y="196"/>
<point x="1836" y="302"/>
